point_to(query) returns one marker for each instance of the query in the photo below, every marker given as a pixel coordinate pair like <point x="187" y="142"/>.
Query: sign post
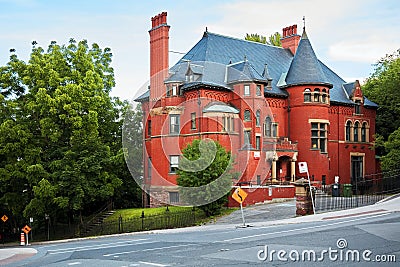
<point x="303" y="168"/>
<point x="240" y="195"/>
<point x="4" y="219"/>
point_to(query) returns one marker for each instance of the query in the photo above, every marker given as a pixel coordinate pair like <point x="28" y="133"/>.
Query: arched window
<point x="267" y="126"/>
<point x="307" y="95"/>
<point x="356" y="128"/>
<point x="348" y="127"/>
<point x="246" y="115"/>
<point x="364" y="132"/>
<point x="258" y="117"/>
<point x="324" y="96"/>
<point x="316" y="95"/>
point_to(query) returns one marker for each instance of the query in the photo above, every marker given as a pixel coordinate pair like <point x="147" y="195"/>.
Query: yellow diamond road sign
<point x="26" y="229"/>
<point x="239" y="195"/>
<point x="4" y="218"/>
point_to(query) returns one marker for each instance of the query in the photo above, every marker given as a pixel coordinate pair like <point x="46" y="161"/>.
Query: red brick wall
<point x="259" y="195"/>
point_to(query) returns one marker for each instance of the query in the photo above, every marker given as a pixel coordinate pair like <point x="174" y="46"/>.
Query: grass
<point x="137" y="212"/>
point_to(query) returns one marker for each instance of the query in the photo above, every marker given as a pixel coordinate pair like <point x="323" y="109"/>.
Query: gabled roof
<point x="243" y="72"/>
<point x="305" y="67"/>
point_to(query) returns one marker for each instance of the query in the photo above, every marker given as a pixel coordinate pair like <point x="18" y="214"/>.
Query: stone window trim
<point x="173" y="163"/>
<point x="357" y="131"/>
<point x="319" y="136"/>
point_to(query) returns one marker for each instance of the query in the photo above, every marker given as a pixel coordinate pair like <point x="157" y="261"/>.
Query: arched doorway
<point x="284" y="169"/>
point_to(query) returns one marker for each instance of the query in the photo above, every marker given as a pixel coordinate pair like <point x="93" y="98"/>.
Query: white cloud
<point x="361" y="51"/>
<point x="267" y="17"/>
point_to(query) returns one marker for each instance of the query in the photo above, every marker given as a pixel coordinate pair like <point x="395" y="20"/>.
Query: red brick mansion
<point x="270" y="106"/>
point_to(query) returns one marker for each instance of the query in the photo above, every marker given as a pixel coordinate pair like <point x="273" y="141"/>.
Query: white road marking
<point x="101" y="247"/>
<point x="153" y="264"/>
<point x="74" y="263"/>
<point x="91" y="246"/>
<point x="148" y="249"/>
<point x="299" y="229"/>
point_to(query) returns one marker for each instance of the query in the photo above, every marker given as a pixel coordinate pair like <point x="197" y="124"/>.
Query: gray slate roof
<point x="305" y="67"/>
<point x="217" y="57"/>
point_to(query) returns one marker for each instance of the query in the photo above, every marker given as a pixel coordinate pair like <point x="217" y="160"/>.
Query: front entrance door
<point x="356" y="168"/>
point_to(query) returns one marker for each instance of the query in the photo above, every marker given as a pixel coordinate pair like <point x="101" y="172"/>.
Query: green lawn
<point x="137" y="212"/>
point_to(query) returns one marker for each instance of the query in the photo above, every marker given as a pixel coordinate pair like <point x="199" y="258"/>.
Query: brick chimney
<point x="159" y="37"/>
<point x="159" y="47"/>
<point x="290" y="39"/>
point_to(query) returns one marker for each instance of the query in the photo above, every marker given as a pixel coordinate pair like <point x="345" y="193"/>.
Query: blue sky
<point x="347" y="35"/>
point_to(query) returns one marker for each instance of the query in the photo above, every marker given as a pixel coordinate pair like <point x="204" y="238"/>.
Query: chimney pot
<point x="158" y="20"/>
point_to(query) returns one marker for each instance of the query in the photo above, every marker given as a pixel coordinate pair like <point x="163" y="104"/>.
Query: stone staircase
<point x="87" y="227"/>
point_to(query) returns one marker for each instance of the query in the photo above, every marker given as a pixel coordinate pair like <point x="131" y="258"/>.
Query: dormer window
<point x="190" y="77"/>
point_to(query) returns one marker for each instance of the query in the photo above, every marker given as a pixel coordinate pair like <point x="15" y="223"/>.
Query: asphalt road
<point x="335" y="241"/>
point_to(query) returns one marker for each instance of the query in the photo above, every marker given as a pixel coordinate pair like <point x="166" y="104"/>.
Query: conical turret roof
<point x="305" y="67"/>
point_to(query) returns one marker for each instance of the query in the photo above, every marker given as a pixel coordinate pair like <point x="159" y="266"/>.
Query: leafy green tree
<point x="130" y="194"/>
<point x="391" y="161"/>
<point x="383" y="87"/>
<point x="274" y="39"/>
<point x="255" y="37"/>
<point x="206" y="164"/>
<point x="60" y="131"/>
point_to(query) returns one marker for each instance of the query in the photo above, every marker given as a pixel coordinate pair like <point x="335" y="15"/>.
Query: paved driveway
<point x="276" y="210"/>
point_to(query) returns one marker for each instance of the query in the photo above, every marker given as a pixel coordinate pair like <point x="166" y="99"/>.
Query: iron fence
<point x="363" y="191"/>
<point x="166" y="220"/>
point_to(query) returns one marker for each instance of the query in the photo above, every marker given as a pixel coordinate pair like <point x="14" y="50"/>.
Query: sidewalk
<point x="9" y="255"/>
<point x="257" y="215"/>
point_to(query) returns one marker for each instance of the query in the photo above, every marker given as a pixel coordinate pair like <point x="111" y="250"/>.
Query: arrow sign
<point x="239" y="195"/>
<point x="26" y="229"/>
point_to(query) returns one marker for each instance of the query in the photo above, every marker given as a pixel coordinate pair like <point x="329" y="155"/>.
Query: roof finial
<point x="206" y="29"/>
<point x="304" y="22"/>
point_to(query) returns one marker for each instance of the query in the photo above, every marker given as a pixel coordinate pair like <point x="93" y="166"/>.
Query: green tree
<point x="206" y="164"/>
<point x="274" y="39"/>
<point x="391" y="161"/>
<point x="60" y="133"/>
<point x="255" y="37"/>
<point x="383" y="87"/>
<point x="130" y="194"/>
